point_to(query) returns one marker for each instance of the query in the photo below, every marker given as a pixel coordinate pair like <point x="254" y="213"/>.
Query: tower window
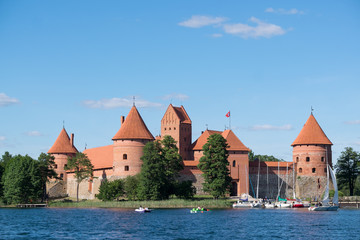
<point x="169" y="128"/>
<point x="126" y="168"/>
<point x="65" y="165"/>
<point x="322" y="159"/>
<point x="234" y="163"/>
<point x="314" y="170"/>
<point x="124" y="156"/>
<point x="55" y="166"/>
<point x="297" y="159"/>
<point x="324" y="169"/>
<point x="308" y="159"/>
<point x="300" y="170"/>
<point x="165" y="129"/>
<point x="174" y="128"/>
<point x="61" y="175"/>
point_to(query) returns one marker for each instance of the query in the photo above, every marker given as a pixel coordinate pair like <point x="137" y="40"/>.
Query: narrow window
<point x="322" y="159"/>
<point x="324" y="169"/>
<point x="184" y="139"/>
<point x="300" y="170"/>
<point x="65" y="165"/>
<point x="124" y="156"/>
<point x="169" y="128"/>
<point x="165" y="129"/>
<point x="308" y="159"/>
<point x="297" y="159"/>
<point x="234" y="163"/>
<point x="314" y="170"/>
<point x="174" y="128"/>
<point x="55" y="166"/>
<point x="126" y="168"/>
<point x="61" y="175"/>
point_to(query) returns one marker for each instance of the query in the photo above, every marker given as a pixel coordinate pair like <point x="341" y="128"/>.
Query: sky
<point x="79" y="64"/>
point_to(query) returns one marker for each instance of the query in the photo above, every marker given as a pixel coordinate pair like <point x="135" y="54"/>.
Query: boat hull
<point x="324" y="208"/>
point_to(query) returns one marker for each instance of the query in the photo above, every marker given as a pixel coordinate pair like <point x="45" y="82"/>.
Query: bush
<point x="111" y="190"/>
<point x="131" y="187"/>
<point x="185" y="190"/>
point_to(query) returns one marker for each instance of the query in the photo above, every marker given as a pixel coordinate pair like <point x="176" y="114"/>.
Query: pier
<point x="31" y="205"/>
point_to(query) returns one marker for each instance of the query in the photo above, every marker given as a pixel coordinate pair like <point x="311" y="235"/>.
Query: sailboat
<point x="243" y="201"/>
<point x="325" y="204"/>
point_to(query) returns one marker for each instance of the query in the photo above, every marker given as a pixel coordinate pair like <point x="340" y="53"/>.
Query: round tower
<point x="61" y="150"/>
<point x="311" y="154"/>
<point x="129" y="142"/>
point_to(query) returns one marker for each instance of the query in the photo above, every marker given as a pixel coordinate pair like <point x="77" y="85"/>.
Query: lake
<point x="74" y="223"/>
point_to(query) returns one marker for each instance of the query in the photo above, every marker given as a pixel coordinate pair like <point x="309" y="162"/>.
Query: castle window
<point x="300" y="170"/>
<point x="65" y="165"/>
<point x="165" y="129"/>
<point x="61" y="175"/>
<point x="174" y="128"/>
<point x="308" y="159"/>
<point x="234" y="163"/>
<point x="322" y="159"/>
<point x="314" y="170"/>
<point x="124" y="156"/>
<point x="184" y="139"/>
<point x="169" y="128"/>
<point x="297" y="159"/>
<point x="126" y="168"/>
<point x="324" y="169"/>
<point x="55" y="166"/>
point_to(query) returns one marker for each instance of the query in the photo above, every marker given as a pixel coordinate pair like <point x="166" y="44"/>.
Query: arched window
<point x="300" y="170"/>
<point x="125" y="156"/>
<point x="308" y="159"/>
<point x="234" y="163"/>
<point x="297" y="159"/>
<point x="314" y="170"/>
<point x="322" y="159"/>
<point x="126" y="168"/>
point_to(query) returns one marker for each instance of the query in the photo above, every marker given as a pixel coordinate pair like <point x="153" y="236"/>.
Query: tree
<point x="47" y="172"/>
<point x="172" y="162"/>
<point x="22" y="180"/>
<point x="347" y="169"/>
<point x="111" y="190"/>
<point x="185" y="189"/>
<point x="5" y="159"/>
<point x="153" y="178"/>
<point x="82" y="167"/>
<point x="131" y="186"/>
<point x="263" y="158"/>
<point x="214" y="165"/>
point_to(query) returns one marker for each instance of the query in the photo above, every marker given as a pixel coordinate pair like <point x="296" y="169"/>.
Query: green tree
<point x="22" y="180"/>
<point x="347" y="169"/>
<point x="6" y="157"/>
<point x="172" y="162"/>
<point x="111" y="190"/>
<point x="153" y="178"/>
<point x="131" y="187"/>
<point x="82" y="167"/>
<point x="214" y="165"/>
<point x="185" y="189"/>
<point x="263" y="158"/>
<point x="47" y="172"/>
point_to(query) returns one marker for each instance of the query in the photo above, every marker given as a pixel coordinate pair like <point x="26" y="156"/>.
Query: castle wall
<point x="60" y="161"/>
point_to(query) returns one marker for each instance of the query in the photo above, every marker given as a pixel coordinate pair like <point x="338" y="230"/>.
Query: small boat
<point x="325" y="204"/>
<point x="144" y="210"/>
<point x="269" y="205"/>
<point x="242" y="204"/>
<point x="256" y="204"/>
<point x="283" y="205"/>
<point x="197" y="210"/>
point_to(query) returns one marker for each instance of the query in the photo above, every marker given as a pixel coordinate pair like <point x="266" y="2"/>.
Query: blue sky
<point x="267" y="62"/>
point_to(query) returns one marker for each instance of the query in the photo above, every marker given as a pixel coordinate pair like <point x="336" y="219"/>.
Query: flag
<point x="228" y="114"/>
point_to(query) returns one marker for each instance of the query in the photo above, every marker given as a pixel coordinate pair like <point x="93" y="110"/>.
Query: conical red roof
<point x="311" y="133"/>
<point x="133" y="127"/>
<point x="63" y="144"/>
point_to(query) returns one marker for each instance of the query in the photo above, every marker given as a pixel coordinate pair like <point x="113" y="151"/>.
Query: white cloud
<point x="216" y="35"/>
<point x="353" y="122"/>
<point x="179" y="96"/>
<point x="262" y="29"/>
<point x="118" y="102"/>
<point x="2" y="138"/>
<point x="34" y="134"/>
<point x="286" y="127"/>
<point x="357" y="143"/>
<point x="292" y="11"/>
<point x="202" y="21"/>
<point x="5" y="100"/>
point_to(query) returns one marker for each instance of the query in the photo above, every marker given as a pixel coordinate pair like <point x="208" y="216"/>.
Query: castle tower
<point x="177" y="124"/>
<point x="61" y="150"/>
<point x="128" y="144"/>
<point x="311" y="154"/>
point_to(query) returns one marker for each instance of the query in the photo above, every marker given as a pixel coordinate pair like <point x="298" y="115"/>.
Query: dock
<point x="31" y="205"/>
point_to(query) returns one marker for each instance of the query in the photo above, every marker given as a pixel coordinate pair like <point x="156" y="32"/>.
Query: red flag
<point x="228" y="114"/>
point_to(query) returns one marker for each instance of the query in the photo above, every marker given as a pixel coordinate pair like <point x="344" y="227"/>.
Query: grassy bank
<point x="171" y="203"/>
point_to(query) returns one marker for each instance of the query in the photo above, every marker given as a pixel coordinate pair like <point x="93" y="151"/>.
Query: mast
<point x="267" y="180"/>
<point x="278" y="174"/>
<point x="287" y="178"/>
<point x="294" y="195"/>
<point x="258" y="178"/>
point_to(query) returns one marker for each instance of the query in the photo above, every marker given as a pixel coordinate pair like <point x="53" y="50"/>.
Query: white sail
<point x="333" y="178"/>
<point x="326" y="194"/>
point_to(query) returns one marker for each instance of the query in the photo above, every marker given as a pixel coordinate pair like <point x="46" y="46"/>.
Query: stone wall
<point x="56" y="189"/>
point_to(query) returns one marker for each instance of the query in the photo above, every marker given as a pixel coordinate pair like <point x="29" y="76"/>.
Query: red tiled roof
<point x="232" y="140"/>
<point x="133" y="127"/>
<point x="182" y="114"/>
<point x="311" y="133"/>
<point x="101" y="157"/>
<point x="63" y="144"/>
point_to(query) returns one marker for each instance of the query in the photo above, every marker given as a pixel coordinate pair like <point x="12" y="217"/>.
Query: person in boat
<point x="141" y="208"/>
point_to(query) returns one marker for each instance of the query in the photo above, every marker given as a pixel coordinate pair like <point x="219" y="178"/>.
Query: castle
<point x="311" y="153"/>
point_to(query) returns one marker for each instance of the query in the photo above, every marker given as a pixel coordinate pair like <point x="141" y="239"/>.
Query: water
<point x="60" y="223"/>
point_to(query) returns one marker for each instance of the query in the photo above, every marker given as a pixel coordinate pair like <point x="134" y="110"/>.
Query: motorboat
<point x="242" y="204"/>
<point x="144" y="210"/>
